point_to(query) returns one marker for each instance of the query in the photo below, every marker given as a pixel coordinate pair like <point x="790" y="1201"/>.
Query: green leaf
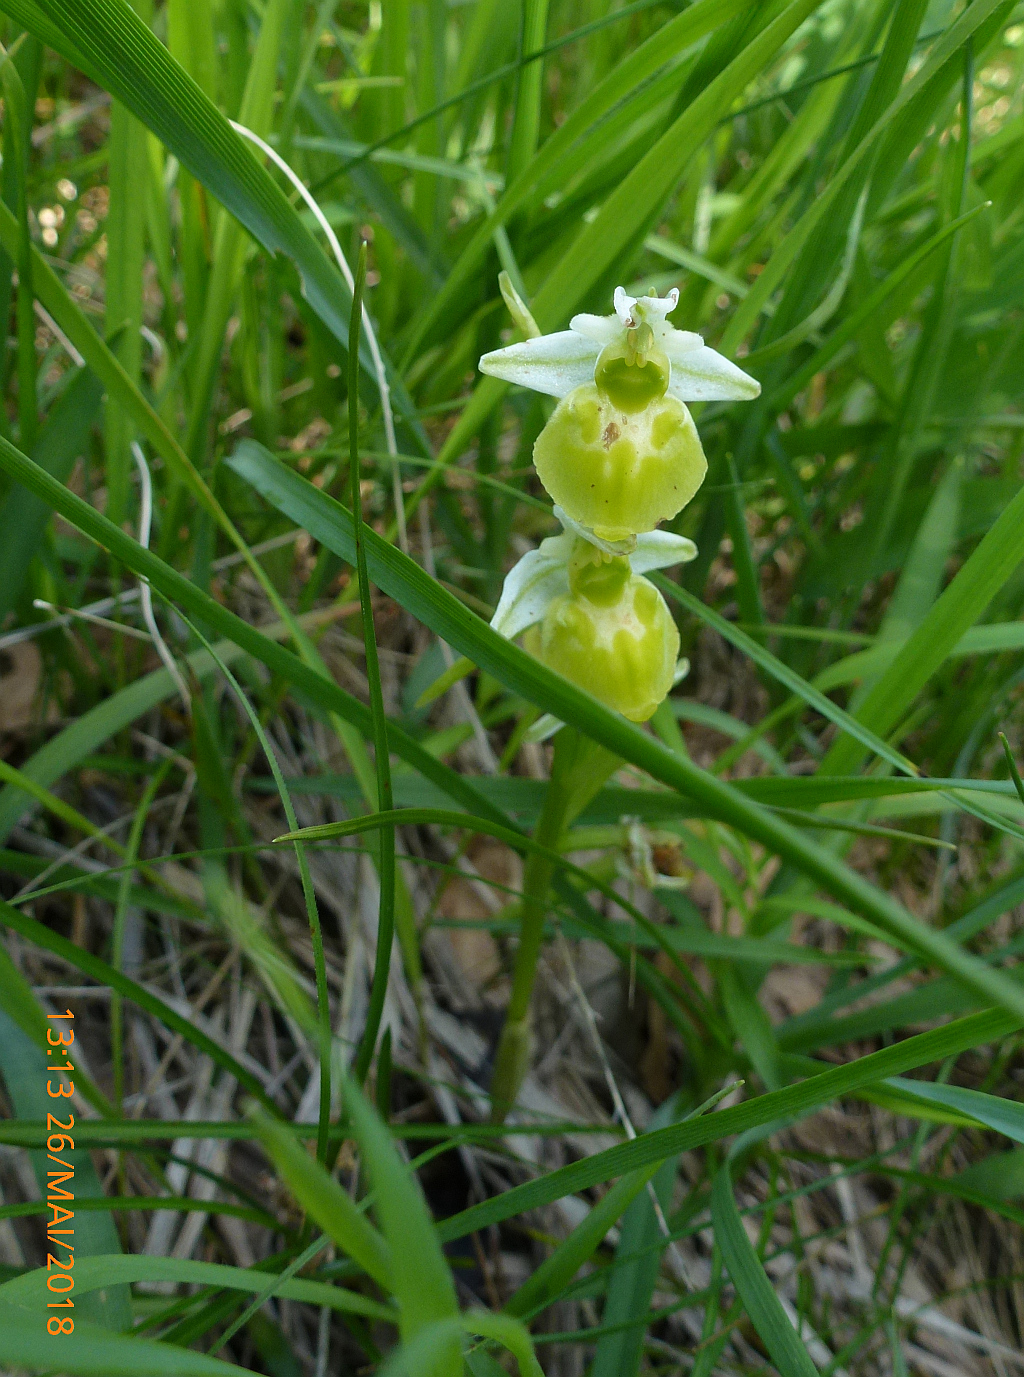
<point x="958" y="33"/>
<point x="1002" y="1115"/>
<point x="95" y="1273"/>
<point x="792" y="1101"/>
<point x="325" y="1201"/>
<point x="104" y="974"/>
<point x="128" y="59"/>
<point x="420" y="1278"/>
<point x="752" y="1285"/>
<point x="315" y="685"/>
<point x="994" y="560"/>
<point x="782" y="673"/>
<point x="94" y="1352"/>
<point x="556" y="1272"/>
<point x="330" y="523"/>
<point x="23" y="518"/>
<point x="636" y="1267"/>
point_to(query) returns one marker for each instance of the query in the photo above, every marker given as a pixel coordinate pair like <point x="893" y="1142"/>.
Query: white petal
<point x="610" y="547"/>
<point x="530" y="586"/>
<point x="703" y="375"/>
<point x="553" y="364"/>
<point x="623" y="305"/>
<point x="675" y="342"/>
<point x="654" y="308"/>
<point x="601" y="330"/>
<point x="660" y="550"/>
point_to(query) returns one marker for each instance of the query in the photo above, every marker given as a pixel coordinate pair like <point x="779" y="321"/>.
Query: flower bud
<point x="619" y="472"/>
<point x="620" y="644"/>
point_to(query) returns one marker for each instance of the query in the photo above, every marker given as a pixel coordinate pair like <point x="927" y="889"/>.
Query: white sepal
<point x="701" y="374"/>
<point x="553" y="364"/>
<point x="540" y="576"/>
<point x="660" y="550"/>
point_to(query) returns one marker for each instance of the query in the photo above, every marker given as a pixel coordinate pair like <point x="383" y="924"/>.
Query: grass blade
<point x="386" y="868"/>
<point x="752" y="1285"/>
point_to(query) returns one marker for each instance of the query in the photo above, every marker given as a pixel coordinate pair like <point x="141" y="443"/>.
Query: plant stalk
<point x="578" y="769"/>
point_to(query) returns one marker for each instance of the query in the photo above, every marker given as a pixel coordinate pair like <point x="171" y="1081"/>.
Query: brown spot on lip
<point x="611" y="434"/>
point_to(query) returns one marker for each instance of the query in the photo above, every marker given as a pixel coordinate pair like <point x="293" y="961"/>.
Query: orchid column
<point x="619" y="455"/>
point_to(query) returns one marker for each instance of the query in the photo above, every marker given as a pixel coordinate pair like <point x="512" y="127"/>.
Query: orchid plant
<point x="619" y="454"/>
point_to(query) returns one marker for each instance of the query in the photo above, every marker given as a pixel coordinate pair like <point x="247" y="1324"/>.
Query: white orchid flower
<point x="543" y="574"/>
<point x="556" y="364"/>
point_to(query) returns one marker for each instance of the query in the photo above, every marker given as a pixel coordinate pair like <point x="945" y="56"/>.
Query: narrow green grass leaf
<point x="94" y="1352"/>
<point x="752" y="1285"/>
<point x="782" y="673"/>
<point x="557" y="1271"/>
<point x="1012" y="766"/>
<point x="857" y="318"/>
<point x="108" y="368"/>
<point x="796" y="1100"/>
<point x="958" y="33"/>
<point x="134" y="65"/>
<point x="23" y="517"/>
<point x="17" y="112"/>
<point x="95" y="1273"/>
<point x="1002" y="1115"/>
<point x="382" y="762"/>
<point x="530" y="90"/>
<point x="420" y="1278"/>
<point x="329" y="522"/>
<point x="309" y="898"/>
<point x="628" y="77"/>
<point x="324" y="1200"/>
<point x="955" y="611"/>
<point x="636" y="1267"/>
<point x="184" y="593"/>
<point x="105" y="974"/>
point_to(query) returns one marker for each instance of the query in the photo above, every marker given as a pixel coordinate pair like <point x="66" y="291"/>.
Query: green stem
<point x="578" y="770"/>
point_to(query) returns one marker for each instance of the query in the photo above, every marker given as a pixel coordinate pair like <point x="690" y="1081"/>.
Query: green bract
<point x="622" y="651"/>
<point x="615" y="472"/>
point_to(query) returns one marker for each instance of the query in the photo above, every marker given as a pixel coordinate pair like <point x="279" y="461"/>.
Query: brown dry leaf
<point x="791" y="990"/>
<point x="477" y="951"/>
<point x="21" y="668"/>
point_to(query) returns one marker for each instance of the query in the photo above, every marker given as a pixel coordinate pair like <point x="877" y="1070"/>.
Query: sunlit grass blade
<point x="960" y="605"/>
